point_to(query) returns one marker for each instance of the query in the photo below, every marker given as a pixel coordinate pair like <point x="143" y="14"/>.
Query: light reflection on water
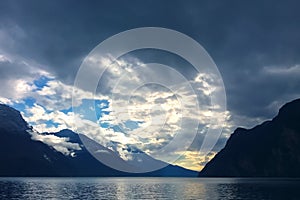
<point x="148" y="188"/>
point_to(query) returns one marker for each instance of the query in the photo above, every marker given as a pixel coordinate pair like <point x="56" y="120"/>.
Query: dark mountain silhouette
<point x="271" y="149"/>
<point x="20" y="155"/>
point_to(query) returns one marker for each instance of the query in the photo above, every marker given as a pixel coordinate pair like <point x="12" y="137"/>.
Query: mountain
<point x="20" y="155"/>
<point x="271" y="149"/>
<point x="24" y="153"/>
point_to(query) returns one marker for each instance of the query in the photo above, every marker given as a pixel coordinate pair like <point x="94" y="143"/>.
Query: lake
<point x="149" y="188"/>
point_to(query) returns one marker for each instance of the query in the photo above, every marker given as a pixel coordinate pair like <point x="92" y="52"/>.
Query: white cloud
<point x="4" y="58"/>
<point x="38" y="115"/>
<point x="17" y="75"/>
<point x="4" y="100"/>
<point x="60" y="144"/>
<point x="57" y="96"/>
<point x="283" y="71"/>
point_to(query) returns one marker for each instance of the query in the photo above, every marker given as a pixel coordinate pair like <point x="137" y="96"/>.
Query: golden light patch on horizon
<point x="193" y="160"/>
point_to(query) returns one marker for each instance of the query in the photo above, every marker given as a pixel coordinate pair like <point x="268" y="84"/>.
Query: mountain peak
<point x="73" y="137"/>
<point x="295" y="104"/>
<point x="11" y="119"/>
<point x="289" y="114"/>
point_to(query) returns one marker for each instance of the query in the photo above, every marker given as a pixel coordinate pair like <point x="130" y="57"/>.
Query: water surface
<point x="148" y="188"/>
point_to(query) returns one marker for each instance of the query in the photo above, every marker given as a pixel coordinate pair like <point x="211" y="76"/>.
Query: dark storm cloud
<point x="60" y="33"/>
<point x="246" y="37"/>
<point x="243" y="37"/>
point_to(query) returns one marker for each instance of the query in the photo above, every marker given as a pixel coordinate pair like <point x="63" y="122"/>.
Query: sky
<point x="255" y="45"/>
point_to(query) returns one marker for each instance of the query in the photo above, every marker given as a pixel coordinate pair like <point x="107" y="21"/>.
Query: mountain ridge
<point x="23" y="155"/>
